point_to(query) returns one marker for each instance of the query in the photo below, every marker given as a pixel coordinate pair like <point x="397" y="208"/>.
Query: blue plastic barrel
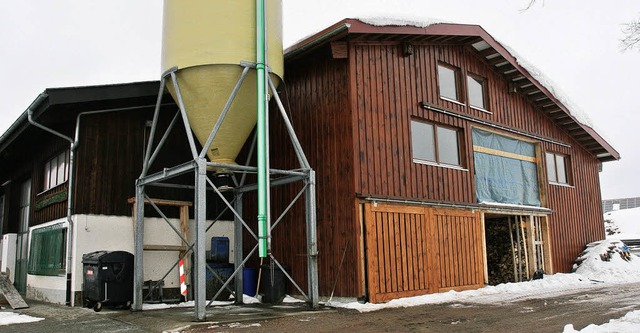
<point x="249" y="281"/>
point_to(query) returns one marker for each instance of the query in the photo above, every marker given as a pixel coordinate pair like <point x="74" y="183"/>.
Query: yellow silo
<point x="207" y="40"/>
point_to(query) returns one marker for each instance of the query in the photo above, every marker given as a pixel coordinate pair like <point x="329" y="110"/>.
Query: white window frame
<point x="56" y="171"/>
<point x="566" y="163"/>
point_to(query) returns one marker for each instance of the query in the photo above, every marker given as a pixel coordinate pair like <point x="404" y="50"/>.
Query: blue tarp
<point x="501" y="179"/>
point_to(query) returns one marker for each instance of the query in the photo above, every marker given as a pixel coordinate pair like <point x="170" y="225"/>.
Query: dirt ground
<point x="548" y="314"/>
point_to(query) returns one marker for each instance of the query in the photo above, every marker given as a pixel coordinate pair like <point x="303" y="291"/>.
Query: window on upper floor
<point x="558" y="169"/>
<point x="435" y="144"/>
<point x="476" y="91"/>
<point x="56" y="171"/>
<point x="449" y="82"/>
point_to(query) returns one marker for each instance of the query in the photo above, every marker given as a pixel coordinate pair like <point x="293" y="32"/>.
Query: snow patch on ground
<point x="623" y="224"/>
<point x="246" y="299"/>
<point x="8" y="318"/>
<point x="629" y="323"/>
<point x="592" y="272"/>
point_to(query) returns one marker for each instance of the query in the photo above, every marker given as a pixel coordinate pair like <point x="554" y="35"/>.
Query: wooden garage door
<point x="414" y="250"/>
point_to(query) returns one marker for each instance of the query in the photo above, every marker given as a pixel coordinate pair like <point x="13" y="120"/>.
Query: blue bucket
<point x="249" y="281"/>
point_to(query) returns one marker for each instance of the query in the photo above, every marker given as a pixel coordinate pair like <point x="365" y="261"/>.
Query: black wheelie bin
<point x="108" y="279"/>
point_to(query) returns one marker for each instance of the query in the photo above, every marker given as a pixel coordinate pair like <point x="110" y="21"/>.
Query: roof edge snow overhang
<point x="52" y="97"/>
<point x="494" y="54"/>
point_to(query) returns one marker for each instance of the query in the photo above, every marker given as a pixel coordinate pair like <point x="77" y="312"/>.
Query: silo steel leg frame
<point x="202" y="184"/>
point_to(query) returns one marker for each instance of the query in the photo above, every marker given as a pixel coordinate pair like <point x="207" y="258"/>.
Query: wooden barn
<point x="442" y="162"/>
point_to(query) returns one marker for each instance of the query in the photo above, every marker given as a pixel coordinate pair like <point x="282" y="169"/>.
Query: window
<point x="56" y="171"/>
<point x="557" y="168"/>
<point x="476" y="91"/>
<point x="448" y="80"/>
<point x="47" y="251"/>
<point x="434" y="143"/>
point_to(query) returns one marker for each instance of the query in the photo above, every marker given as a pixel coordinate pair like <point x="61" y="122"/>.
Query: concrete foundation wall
<point x="116" y="233"/>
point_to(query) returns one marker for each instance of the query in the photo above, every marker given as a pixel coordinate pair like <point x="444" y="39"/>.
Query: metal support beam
<point x="168" y="173"/>
<point x="312" y="240"/>
<point x="237" y="248"/>
<point x="138" y="277"/>
<point x="200" y="209"/>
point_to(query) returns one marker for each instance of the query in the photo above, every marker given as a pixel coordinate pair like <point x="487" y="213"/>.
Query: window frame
<point x="568" y="175"/>
<point x="436" y="146"/>
<point x="485" y="95"/>
<point x="52" y="171"/>
<point x="457" y="75"/>
<point x="41" y="260"/>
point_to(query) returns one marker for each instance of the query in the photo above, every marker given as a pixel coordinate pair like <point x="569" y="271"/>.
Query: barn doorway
<point x="516" y="247"/>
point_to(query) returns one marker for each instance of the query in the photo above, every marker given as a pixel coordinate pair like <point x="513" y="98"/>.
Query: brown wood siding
<point x="389" y="88"/>
<point x="109" y="160"/>
<point x="317" y="103"/>
<point x="414" y="250"/>
<point x="577" y="210"/>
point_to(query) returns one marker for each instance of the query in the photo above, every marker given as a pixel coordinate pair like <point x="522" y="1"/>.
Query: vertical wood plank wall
<point x="315" y="95"/>
<point x="414" y="250"/>
<point x="389" y="88"/>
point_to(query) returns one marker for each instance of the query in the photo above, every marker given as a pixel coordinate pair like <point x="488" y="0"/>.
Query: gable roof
<point x="523" y="78"/>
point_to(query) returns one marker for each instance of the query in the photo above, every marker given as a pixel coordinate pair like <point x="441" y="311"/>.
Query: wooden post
<point x="526" y="242"/>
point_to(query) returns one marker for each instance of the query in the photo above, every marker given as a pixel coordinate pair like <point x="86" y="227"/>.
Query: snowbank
<point x="609" y="261"/>
<point x="629" y="323"/>
<point x="8" y="318"/>
<point x="623" y="224"/>
<point x="593" y="271"/>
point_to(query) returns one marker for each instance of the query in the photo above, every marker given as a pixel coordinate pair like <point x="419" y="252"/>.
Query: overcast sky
<point x="574" y="42"/>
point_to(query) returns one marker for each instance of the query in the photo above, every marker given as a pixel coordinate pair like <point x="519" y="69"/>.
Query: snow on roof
<point x="399" y="20"/>
<point x="553" y="87"/>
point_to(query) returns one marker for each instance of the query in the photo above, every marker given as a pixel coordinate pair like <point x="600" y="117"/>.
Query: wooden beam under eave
<point x="440" y="38"/>
<point x="591" y="144"/>
<point x="538" y="96"/>
<point x="559" y="117"/>
<point x="497" y="60"/>
<point x="515" y="76"/>
<point x="471" y="40"/>
<point x="529" y="90"/>
<point x="488" y="52"/>
<point x="581" y="136"/>
<point x="507" y="68"/>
